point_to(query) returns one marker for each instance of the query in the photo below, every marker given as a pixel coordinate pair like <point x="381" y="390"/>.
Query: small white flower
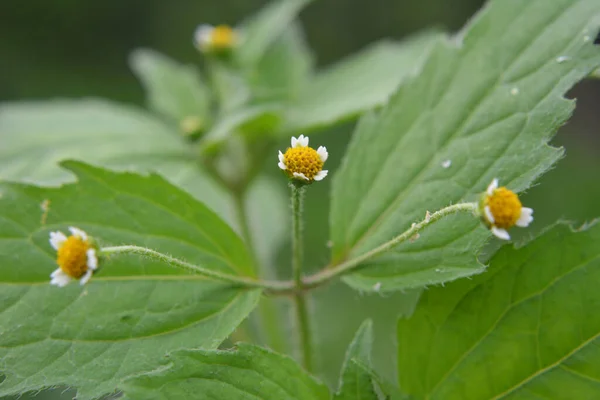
<point x="208" y="38"/>
<point x="302" y="162"/>
<point x="76" y="257"/>
<point x="501" y="209"/>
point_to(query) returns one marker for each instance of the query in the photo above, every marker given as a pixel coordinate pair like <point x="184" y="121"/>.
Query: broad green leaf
<point x="133" y="311"/>
<point x="37" y="136"/>
<point x="526" y="329"/>
<point x="261" y="30"/>
<point x="246" y="373"/>
<point x="356" y="84"/>
<point x="486" y="102"/>
<point x="356" y="381"/>
<point x="285" y="67"/>
<point x="176" y="91"/>
<point x="259" y="118"/>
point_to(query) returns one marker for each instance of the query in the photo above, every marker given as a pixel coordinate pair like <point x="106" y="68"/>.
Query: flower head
<point x="76" y="257"/>
<point x="501" y="209"/>
<point x="303" y="163"/>
<point x="220" y="38"/>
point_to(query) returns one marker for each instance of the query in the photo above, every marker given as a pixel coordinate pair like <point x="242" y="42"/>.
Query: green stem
<point x="297" y="193"/>
<point x="300" y="301"/>
<point x="304" y="330"/>
<point x="155" y="255"/>
<point x="326" y="275"/>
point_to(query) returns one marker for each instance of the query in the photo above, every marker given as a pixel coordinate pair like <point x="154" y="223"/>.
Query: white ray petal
<point x="488" y="214"/>
<point x="86" y="277"/>
<point x="92" y="259"/>
<point x="57" y="239"/>
<point x="300" y="175"/>
<point x="323" y="154"/>
<point x="500" y="233"/>
<point x="493" y="186"/>
<point x="303" y="140"/>
<point x="294" y="142"/>
<point x="281" y="157"/>
<point x="59" y="278"/>
<point x="282" y="166"/>
<point x="78" y="233"/>
<point x="320" y="175"/>
<point x="203" y="35"/>
<point x="525" y="218"/>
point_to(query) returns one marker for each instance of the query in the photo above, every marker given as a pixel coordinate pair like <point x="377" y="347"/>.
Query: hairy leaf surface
<point x="247" y="373"/>
<point x="133" y="311"/>
<point x="528" y="328"/>
<point x="484" y="105"/>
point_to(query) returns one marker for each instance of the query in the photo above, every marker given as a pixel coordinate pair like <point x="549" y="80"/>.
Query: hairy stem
<point x="297" y="194"/>
<point x="300" y="301"/>
<point x="326" y="275"/>
<point x="175" y="262"/>
<point x="298" y="286"/>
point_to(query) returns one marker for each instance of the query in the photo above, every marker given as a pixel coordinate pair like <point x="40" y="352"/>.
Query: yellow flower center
<point x="303" y="160"/>
<point x="505" y="206"/>
<point x="222" y="37"/>
<point x="72" y="257"/>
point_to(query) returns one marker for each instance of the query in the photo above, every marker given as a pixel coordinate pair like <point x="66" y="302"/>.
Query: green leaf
<point x="173" y="90"/>
<point x="263" y="29"/>
<point x="247" y="373"/>
<point x="487" y="102"/>
<point x="134" y="310"/>
<point x="285" y="67"/>
<point x="37" y="136"/>
<point x="358" y="83"/>
<point x="356" y="382"/>
<point x="526" y="329"/>
<point x="260" y="117"/>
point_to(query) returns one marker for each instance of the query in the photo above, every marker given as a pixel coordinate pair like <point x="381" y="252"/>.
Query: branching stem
<point x="327" y="274"/>
<point x="298" y="285"/>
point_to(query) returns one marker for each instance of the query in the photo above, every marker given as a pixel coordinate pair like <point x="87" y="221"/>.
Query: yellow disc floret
<point x="302" y="160"/>
<point x="72" y="256"/>
<point x="504" y="206"/>
<point x="222" y="37"/>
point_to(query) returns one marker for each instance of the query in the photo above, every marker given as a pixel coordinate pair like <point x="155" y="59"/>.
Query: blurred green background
<point x="71" y="48"/>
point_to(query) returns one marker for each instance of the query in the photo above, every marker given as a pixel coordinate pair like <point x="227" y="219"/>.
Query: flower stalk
<point x="196" y="269"/>
<point x="300" y="300"/>
<point x="328" y="274"/>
